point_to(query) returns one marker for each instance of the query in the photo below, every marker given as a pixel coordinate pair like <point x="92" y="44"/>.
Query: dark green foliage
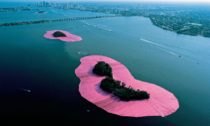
<point x="124" y="93"/>
<point x="109" y="84"/>
<point x="59" y="34"/>
<point x="127" y="94"/>
<point x="118" y="88"/>
<point x="102" y="69"/>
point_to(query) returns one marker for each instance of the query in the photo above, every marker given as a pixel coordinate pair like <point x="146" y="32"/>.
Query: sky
<point x="161" y="0"/>
<point x="180" y="1"/>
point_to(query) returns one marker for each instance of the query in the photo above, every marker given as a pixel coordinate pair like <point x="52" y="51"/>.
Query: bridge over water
<point x="53" y="20"/>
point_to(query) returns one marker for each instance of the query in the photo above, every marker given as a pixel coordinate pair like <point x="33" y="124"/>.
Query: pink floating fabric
<point x="69" y="37"/>
<point x="161" y="102"/>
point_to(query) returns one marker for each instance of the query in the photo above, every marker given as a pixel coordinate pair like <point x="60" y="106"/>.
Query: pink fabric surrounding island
<point x="161" y="102"/>
<point x="69" y="37"/>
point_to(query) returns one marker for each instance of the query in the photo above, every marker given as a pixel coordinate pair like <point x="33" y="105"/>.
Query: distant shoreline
<point x="179" y="18"/>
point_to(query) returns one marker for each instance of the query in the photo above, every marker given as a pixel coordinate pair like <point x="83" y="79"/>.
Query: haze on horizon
<point x="167" y="1"/>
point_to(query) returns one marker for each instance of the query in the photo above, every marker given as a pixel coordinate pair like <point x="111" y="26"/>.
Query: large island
<point x="159" y="103"/>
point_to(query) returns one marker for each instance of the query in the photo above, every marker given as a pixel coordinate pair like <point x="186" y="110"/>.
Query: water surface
<point x="178" y="63"/>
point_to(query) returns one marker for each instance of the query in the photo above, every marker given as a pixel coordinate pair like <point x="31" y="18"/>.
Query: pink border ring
<point x="161" y="102"/>
<point x="69" y="37"/>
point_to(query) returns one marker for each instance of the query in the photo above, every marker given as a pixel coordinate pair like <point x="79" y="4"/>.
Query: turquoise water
<point x="178" y="63"/>
<point x="49" y="14"/>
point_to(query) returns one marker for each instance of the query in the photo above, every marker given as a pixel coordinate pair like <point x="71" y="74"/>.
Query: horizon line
<point x="124" y="1"/>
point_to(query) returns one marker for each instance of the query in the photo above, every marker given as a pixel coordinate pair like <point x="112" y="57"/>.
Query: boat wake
<point x="82" y="53"/>
<point x="162" y="47"/>
<point x="98" y="26"/>
<point x="185" y="54"/>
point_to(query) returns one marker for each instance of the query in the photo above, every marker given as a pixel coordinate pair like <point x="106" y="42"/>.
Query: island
<point x="41" y="12"/>
<point x="102" y="69"/>
<point x="116" y="87"/>
<point x="62" y="36"/>
<point x="108" y="93"/>
<point x="59" y="34"/>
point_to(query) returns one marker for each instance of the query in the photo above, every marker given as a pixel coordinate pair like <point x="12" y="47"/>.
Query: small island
<point x="117" y="88"/>
<point x="41" y="12"/>
<point x="62" y="36"/>
<point x="109" y="85"/>
<point x="59" y="34"/>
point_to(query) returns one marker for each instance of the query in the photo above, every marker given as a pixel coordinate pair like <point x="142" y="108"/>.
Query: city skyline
<point x="168" y="1"/>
